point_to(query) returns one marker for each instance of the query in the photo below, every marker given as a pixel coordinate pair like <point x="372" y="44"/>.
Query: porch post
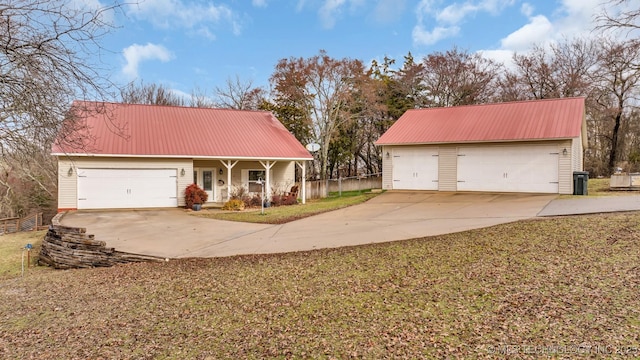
<point x="303" y="166"/>
<point x="268" y="165"/>
<point x="229" y="166"/>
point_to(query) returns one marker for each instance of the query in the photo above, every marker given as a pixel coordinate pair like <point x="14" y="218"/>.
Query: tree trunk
<point x="613" y="154"/>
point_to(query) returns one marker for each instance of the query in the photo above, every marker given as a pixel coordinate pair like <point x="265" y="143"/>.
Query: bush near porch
<point x="193" y="194"/>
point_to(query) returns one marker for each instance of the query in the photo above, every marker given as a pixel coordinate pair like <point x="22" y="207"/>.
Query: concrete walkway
<point x="391" y="216"/>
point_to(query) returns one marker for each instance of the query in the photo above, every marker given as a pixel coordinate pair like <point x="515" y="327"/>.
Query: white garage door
<point x="415" y="168"/>
<point x="510" y="168"/>
<point x="126" y="188"/>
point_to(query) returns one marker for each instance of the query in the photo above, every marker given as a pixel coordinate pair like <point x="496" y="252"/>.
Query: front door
<point x="207" y="183"/>
<point x="205" y="178"/>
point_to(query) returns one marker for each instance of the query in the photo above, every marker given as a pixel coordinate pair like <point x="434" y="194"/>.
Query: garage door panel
<point x="126" y="188"/>
<point x="415" y="168"/>
<point x="517" y="168"/>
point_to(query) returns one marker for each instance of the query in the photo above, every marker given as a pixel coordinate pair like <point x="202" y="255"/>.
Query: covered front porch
<point x="224" y="178"/>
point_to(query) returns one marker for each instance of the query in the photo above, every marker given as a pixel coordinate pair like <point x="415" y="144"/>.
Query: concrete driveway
<point x="391" y="216"/>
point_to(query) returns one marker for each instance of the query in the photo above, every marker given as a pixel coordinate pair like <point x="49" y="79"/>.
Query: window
<point x="207" y="180"/>
<point x="254" y="175"/>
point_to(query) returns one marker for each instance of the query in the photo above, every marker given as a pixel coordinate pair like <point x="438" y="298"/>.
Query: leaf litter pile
<point x="554" y="285"/>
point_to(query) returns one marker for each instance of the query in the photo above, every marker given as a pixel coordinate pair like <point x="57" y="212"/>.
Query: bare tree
<point x="45" y="52"/>
<point x="457" y="78"/>
<point x="536" y="73"/>
<point x="240" y="95"/>
<point x="617" y="82"/>
<point x="150" y="94"/>
<point x="200" y="99"/>
<point x="620" y="14"/>
<point x="560" y="70"/>
<point x="322" y="86"/>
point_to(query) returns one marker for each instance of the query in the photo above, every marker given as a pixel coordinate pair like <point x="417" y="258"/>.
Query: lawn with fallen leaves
<point x="564" y="287"/>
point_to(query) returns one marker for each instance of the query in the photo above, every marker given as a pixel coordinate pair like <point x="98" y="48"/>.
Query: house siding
<point x="282" y="174"/>
<point x="565" y="167"/>
<point x="577" y="154"/>
<point x="387" y="168"/>
<point x="68" y="185"/>
<point x="448" y="168"/>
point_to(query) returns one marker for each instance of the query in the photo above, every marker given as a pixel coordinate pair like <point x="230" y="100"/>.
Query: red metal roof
<point x="173" y="131"/>
<point x="511" y="121"/>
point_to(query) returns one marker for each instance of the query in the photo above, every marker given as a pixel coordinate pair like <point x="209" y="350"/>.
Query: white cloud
<point x="538" y="30"/>
<point x="573" y="18"/>
<point x="527" y="9"/>
<point x="135" y="54"/>
<point x="184" y="14"/>
<point x="205" y="32"/>
<point x="259" y="3"/>
<point x="331" y="10"/>
<point x="387" y="11"/>
<point x="424" y="37"/>
<point x="448" y="19"/>
<point x="499" y="56"/>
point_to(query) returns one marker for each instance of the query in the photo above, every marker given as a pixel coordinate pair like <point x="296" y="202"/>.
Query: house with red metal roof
<point x="525" y="146"/>
<point x="114" y="155"/>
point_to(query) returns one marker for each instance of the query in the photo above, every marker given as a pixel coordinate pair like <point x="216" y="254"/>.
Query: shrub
<point x="279" y="199"/>
<point x="193" y="194"/>
<point x="276" y="200"/>
<point x="255" y="201"/>
<point x="239" y="192"/>
<point x="289" y="200"/>
<point x="233" y="204"/>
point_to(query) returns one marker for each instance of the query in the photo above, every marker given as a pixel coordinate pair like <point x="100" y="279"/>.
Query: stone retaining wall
<point x="66" y="247"/>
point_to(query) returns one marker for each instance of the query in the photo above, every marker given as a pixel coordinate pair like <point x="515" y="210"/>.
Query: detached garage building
<point x="526" y="146"/>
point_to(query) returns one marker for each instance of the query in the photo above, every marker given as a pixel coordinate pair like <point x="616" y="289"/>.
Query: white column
<point x="267" y="166"/>
<point x="303" y="166"/>
<point x="229" y="166"/>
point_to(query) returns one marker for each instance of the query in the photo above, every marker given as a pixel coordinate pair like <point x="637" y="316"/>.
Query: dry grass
<point x="532" y="288"/>
<point x="12" y="248"/>
<point x="600" y="187"/>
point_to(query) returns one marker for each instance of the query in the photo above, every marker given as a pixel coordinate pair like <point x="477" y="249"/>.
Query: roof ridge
<point x="503" y="103"/>
<point x="166" y="106"/>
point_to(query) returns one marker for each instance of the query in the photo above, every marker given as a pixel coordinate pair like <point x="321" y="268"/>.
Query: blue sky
<point x="187" y="44"/>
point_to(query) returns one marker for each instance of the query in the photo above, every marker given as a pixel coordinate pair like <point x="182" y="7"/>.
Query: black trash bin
<point x="580" y="182"/>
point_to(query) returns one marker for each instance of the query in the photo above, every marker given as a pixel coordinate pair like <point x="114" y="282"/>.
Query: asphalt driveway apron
<point x="390" y="216"/>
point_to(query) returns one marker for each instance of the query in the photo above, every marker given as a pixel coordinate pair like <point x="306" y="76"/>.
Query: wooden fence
<point x="32" y="222"/>
<point x="321" y="188"/>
